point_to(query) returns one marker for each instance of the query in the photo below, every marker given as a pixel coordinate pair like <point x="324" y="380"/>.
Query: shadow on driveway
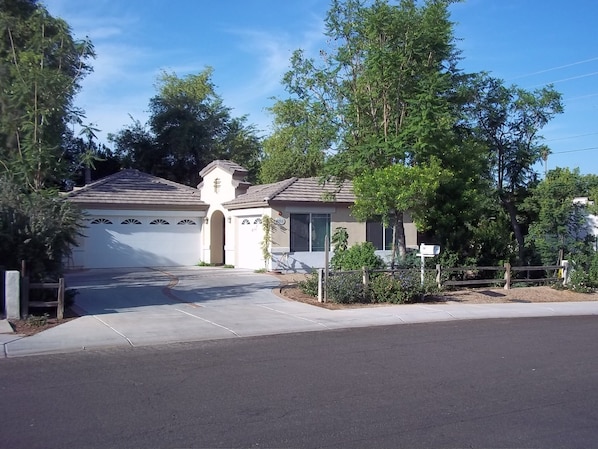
<point x="124" y="290"/>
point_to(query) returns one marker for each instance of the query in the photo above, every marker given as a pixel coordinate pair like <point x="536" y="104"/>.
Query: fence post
<point x="507" y="276"/>
<point x="60" y="308"/>
<point x="438" y="275"/>
<point x="366" y="279"/>
<point x="24" y="296"/>
<point x="12" y="296"/>
<point x="320" y="282"/>
<point x="566" y="271"/>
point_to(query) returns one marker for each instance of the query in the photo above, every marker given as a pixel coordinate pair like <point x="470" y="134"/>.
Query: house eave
<point x="141" y="206"/>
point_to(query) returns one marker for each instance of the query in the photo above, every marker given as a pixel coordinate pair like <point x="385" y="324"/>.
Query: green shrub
<point x="398" y="288"/>
<point x="345" y="288"/>
<point x="593" y="270"/>
<point x="356" y="257"/>
<point x="310" y="285"/>
<point x="581" y="282"/>
<point x="37" y="227"/>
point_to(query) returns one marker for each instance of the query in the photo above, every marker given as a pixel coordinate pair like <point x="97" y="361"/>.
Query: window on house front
<point x="309" y="232"/>
<point x="378" y="235"/>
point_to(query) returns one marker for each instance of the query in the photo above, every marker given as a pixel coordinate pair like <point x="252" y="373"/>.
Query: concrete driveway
<point x="176" y="304"/>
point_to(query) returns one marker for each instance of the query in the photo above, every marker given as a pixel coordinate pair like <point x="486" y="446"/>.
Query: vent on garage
<point x="159" y="221"/>
<point x="101" y="221"/>
<point x="186" y="221"/>
<point x="130" y="221"/>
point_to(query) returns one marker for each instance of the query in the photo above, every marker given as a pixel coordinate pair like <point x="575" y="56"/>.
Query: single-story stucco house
<point x="138" y="220"/>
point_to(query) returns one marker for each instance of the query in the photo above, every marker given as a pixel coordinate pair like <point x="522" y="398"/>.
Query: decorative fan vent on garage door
<point x="245" y="221"/>
<point x="130" y="221"/>
<point x="257" y="221"/>
<point x="186" y="221"/>
<point x="101" y="221"/>
<point x="159" y="221"/>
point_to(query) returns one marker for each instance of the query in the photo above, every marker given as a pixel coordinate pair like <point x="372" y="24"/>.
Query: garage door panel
<point x="136" y="243"/>
<point x="249" y="243"/>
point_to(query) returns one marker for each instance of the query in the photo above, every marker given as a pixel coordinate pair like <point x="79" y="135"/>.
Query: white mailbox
<point x="429" y="250"/>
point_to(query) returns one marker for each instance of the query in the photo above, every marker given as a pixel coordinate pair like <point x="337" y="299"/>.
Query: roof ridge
<point x="169" y="182"/>
<point x="285" y="184"/>
<point x="98" y="182"/>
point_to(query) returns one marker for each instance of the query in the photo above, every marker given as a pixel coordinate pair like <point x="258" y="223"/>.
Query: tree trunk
<point x="512" y="211"/>
<point x="398" y="239"/>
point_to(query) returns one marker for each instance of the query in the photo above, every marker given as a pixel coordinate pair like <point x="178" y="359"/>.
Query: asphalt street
<point x="506" y="383"/>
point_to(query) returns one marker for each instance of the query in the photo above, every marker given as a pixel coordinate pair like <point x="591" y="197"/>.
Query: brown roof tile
<point x="294" y="190"/>
<point x="231" y="167"/>
<point x="135" y="189"/>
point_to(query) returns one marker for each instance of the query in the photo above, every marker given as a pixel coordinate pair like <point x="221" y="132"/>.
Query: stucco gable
<point x="232" y="168"/>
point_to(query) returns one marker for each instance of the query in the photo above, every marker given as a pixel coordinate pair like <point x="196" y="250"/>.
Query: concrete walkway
<point x="151" y="307"/>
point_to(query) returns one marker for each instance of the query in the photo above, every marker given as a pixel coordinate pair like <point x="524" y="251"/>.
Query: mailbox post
<point x="426" y="251"/>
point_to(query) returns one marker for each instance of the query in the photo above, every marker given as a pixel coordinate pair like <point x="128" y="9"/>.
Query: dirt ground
<point x="289" y="289"/>
<point x="39" y="322"/>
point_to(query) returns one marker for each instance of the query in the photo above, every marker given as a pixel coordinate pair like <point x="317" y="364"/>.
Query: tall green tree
<point x="560" y="228"/>
<point x="508" y="121"/>
<point x="35" y="226"/>
<point x="391" y="88"/>
<point x="298" y="144"/>
<point x="189" y="127"/>
<point x="41" y="66"/>
<point x="390" y="192"/>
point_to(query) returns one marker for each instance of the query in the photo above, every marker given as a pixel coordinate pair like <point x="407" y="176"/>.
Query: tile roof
<point x="294" y="190"/>
<point x="231" y="167"/>
<point x="137" y="190"/>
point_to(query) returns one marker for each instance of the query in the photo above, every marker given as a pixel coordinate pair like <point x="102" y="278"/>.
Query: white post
<point x="12" y="281"/>
<point x="566" y="271"/>
<point x="423" y="267"/>
<point x="320" y="282"/>
<point x="326" y="264"/>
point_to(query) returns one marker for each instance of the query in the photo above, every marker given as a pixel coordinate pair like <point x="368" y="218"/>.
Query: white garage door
<point x="249" y="247"/>
<point x="122" y="241"/>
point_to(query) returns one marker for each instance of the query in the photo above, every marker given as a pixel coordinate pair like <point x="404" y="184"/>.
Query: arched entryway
<point x="217" y="239"/>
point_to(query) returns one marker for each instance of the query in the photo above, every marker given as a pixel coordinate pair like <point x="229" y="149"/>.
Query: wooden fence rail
<point x="508" y="279"/>
<point x="26" y="287"/>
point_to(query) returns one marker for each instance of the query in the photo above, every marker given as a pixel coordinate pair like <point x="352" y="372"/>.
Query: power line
<point x="570" y="137"/>
<point x="555" y="68"/>
<point x="581" y="97"/>
<point x="567" y="79"/>
<point x="574" y="151"/>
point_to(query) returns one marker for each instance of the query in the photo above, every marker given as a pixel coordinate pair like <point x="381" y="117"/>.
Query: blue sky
<point x="530" y="43"/>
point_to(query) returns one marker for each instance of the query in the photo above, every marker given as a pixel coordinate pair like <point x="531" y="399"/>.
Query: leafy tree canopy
<point x="188" y="128"/>
<point x="41" y="66"/>
<point x="298" y="143"/>
<point x="507" y="122"/>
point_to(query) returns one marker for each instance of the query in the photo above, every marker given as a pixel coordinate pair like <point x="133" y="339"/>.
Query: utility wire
<point x="570" y="137"/>
<point x="585" y="75"/>
<point x="555" y="68"/>
<point x="574" y="151"/>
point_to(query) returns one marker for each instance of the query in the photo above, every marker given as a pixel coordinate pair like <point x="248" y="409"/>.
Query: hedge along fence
<point x="362" y="285"/>
<point x="357" y="282"/>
